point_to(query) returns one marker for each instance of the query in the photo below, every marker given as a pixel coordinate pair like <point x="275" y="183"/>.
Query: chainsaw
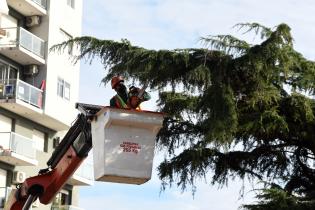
<point x="136" y="96"/>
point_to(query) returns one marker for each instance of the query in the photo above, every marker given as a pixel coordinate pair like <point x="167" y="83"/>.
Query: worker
<point x="127" y="99"/>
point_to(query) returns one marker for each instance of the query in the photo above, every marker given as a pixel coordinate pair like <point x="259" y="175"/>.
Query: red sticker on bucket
<point x="130" y="147"/>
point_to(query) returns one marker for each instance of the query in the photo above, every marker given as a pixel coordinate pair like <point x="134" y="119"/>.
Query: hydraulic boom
<point x="66" y="158"/>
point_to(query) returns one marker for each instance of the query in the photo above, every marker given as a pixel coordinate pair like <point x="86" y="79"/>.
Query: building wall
<point x="57" y="65"/>
<point x="62" y="17"/>
<point x="25" y="127"/>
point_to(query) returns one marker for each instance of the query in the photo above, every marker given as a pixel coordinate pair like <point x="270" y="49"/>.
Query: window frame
<point x="63" y="89"/>
<point x="3" y="186"/>
<point x="60" y="87"/>
<point x="37" y="134"/>
<point x="71" y="3"/>
<point x="65" y="37"/>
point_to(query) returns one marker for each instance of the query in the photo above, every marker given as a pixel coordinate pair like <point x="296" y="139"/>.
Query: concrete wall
<point x="59" y="17"/>
<point x="62" y="17"/>
<point x="25" y="128"/>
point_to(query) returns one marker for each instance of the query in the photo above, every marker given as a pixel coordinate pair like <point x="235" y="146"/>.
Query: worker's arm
<point x="137" y="96"/>
<point x="140" y="93"/>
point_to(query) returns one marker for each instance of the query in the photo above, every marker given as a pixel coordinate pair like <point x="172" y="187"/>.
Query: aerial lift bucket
<point x="123" y="144"/>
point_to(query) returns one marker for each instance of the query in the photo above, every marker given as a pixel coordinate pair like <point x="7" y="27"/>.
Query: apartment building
<point x="38" y="92"/>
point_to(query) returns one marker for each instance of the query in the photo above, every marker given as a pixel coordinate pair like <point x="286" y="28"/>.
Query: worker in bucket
<point x="127" y="99"/>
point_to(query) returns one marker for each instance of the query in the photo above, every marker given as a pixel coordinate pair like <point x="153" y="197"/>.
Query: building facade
<point x="38" y="92"/>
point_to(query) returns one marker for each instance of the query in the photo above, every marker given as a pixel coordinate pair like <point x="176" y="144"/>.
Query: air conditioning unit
<point x="31" y="70"/>
<point x="18" y="177"/>
<point x="33" y="21"/>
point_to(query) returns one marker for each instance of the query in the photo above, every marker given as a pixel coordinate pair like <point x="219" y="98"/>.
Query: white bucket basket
<point x="123" y="144"/>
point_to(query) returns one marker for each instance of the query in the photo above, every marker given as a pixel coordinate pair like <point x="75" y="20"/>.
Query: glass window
<point x="7" y="72"/>
<point x="3" y="72"/>
<point x="60" y="87"/>
<point x="65" y="37"/>
<point x="5" y="129"/>
<point x="67" y="91"/>
<point x="63" y="198"/>
<point x="63" y="89"/>
<point x="70" y="3"/>
<point x="39" y="138"/>
<point x="3" y="188"/>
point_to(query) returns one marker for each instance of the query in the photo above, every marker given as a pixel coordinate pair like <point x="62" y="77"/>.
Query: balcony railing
<point x="15" y="88"/>
<point x="85" y="171"/>
<point x="18" y="144"/>
<point x="42" y="3"/>
<point x="65" y="207"/>
<point x="20" y="37"/>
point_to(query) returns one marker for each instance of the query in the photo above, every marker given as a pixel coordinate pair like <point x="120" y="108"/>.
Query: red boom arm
<point x="47" y="185"/>
<point x="66" y="158"/>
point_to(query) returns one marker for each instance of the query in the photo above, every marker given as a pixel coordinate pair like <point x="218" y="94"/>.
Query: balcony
<point x="29" y="7"/>
<point x="84" y="175"/>
<point x="65" y="207"/>
<point x="17" y="150"/>
<point x="21" y="98"/>
<point x="26" y="100"/>
<point x="22" y="46"/>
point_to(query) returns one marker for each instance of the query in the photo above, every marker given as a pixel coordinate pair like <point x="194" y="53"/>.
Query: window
<point x="39" y="138"/>
<point x="3" y="188"/>
<point x="8" y="76"/>
<point x="67" y="91"/>
<point x="70" y="3"/>
<point x="65" y="37"/>
<point x="7" y="72"/>
<point x="60" y="87"/>
<point x="63" y="89"/>
<point x="5" y="129"/>
<point x="62" y="199"/>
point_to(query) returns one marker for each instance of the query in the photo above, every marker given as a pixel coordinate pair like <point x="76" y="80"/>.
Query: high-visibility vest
<point x="120" y="103"/>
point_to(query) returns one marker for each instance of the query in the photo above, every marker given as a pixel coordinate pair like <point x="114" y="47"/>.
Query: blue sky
<point x="169" y="24"/>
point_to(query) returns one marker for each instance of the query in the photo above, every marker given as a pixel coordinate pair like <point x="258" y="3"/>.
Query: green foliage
<point x="230" y="113"/>
<point x="278" y="199"/>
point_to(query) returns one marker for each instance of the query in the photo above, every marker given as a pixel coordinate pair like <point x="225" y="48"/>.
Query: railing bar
<point x="41" y="3"/>
<point x="30" y="85"/>
<point x="9" y="28"/>
<point x="29" y="91"/>
<point x="30" y="94"/>
<point x="18" y="135"/>
<point x="23" y="29"/>
<point x="10" y="141"/>
<point x="20" y="38"/>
